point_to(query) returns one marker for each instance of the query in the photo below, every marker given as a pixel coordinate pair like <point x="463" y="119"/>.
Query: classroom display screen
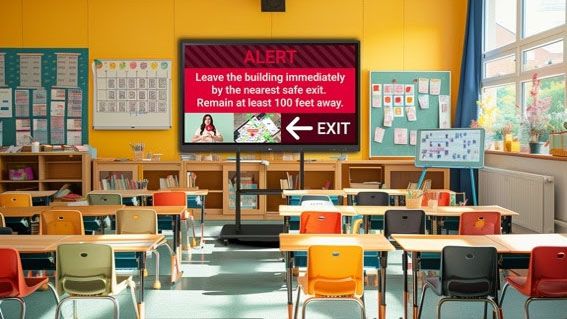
<point x="453" y="148"/>
<point x="255" y="96"/>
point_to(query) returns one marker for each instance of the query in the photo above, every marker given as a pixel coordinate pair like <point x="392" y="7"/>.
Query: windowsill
<point x="527" y="155"/>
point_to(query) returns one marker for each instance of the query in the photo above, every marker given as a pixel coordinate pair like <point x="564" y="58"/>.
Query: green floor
<point x="240" y="281"/>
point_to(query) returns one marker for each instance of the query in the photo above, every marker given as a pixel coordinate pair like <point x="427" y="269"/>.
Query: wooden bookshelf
<point x="51" y="171"/>
<point x="124" y="172"/>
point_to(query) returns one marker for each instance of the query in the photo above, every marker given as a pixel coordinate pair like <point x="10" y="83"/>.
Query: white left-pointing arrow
<point x="291" y="128"/>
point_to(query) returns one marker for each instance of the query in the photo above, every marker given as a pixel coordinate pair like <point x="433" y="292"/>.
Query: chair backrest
<point x="2" y="221"/>
<point x="61" y="222"/>
<point x="12" y="280"/>
<point x="6" y="231"/>
<point x="136" y="221"/>
<point x="104" y="199"/>
<point x="320" y="223"/>
<point x="480" y="223"/>
<point x="335" y="270"/>
<point x="170" y="199"/>
<point x="469" y="271"/>
<point x="443" y="198"/>
<point x="85" y="269"/>
<point x="306" y="198"/>
<point x="373" y="199"/>
<point x="15" y="200"/>
<point x="548" y="268"/>
<point x="404" y="222"/>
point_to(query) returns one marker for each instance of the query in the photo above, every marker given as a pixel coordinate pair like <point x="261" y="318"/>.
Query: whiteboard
<point x="452" y="148"/>
<point x="132" y="94"/>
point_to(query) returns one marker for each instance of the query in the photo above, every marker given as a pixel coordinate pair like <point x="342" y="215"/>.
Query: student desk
<point x="144" y="193"/>
<point x="140" y="244"/>
<point x="392" y="192"/>
<point x="325" y="192"/>
<point x="417" y="244"/>
<point x="288" y="211"/>
<point x="301" y="242"/>
<point x="442" y="211"/>
<point x="524" y="243"/>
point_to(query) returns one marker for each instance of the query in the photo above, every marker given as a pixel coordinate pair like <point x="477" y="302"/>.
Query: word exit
<point x="335" y="128"/>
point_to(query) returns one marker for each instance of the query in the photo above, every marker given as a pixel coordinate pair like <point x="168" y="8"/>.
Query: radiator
<point x="530" y="195"/>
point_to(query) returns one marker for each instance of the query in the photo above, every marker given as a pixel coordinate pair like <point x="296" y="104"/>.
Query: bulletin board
<point x="132" y="94"/>
<point x="44" y="95"/>
<point x="412" y="101"/>
<point x="451" y="148"/>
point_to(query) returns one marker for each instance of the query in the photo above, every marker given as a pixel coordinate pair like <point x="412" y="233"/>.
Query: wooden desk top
<point x="90" y="210"/>
<point x="148" y="193"/>
<point x="49" y="243"/>
<point x="22" y="211"/>
<point x="369" y="242"/>
<point x="162" y="210"/>
<point x="301" y="192"/>
<point x="524" y="243"/>
<point x="34" y="194"/>
<point x="390" y="191"/>
<point x="435" y="243"/>
<point x="294" y="210"/>
<point x="443" y="211"/>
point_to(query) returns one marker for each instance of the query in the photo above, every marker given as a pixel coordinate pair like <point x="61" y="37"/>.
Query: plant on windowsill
<point x="536" y="120"/>
<point x="487" y="113"/>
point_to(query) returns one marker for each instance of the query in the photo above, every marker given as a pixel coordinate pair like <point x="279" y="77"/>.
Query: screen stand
<point x="255" y="232"/>
<point x="473" y="188"/>
<point x="421" y="178"/>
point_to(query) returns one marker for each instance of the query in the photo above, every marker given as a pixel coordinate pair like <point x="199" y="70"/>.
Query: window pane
<point x="552" y="93"/>
<point x="541" y="56"/>
<point x="499" y="110"/>
<point x="541" y="15"/>
<point x="499" y="67"/>
<point x="499" y="23"/>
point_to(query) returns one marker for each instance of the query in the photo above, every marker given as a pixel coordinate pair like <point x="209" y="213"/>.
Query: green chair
<point x="143" y="221"/>
<point x="94" y="223"/>
<point x="86" y="271"/>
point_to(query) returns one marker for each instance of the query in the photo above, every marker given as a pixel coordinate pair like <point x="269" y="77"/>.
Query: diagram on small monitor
<point x="450" y="145"/>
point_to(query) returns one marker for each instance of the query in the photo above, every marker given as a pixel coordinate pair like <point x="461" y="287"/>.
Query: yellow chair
<point x="15" y="200"/>
<point x="61" y="222"/>
<point x="333" y="273"/>
<point x="143" y="221"/>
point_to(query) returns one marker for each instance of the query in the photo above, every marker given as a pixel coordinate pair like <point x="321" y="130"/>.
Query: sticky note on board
<point x="423" y="100"/>
<point x="413" y="137"/>
<point x="379" y="135"/>
<point x="401" y="136"/>
<point x="423" y="85"/>
<point x="376" y="100"/>
<point x="435" y="86"/>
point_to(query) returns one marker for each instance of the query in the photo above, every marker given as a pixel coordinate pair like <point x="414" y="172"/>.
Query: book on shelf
<point x="170" y="181"/>
<point x="191" y="180"/>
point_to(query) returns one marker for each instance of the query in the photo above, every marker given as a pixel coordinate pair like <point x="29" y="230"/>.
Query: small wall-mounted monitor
<point x="264" y="96"/>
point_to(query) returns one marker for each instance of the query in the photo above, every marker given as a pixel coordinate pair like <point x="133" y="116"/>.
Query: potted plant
<point x="487" y="113"/>
<point x="536" y="120"/>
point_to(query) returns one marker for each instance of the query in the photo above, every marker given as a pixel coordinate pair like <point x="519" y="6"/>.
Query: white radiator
<point x="528" y="194"/>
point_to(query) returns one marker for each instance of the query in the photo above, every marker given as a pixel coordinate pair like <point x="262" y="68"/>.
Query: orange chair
<point x="546" y="278"/>
<point x="61" y="222"/>
<point x="314" y="222"/>
<point x="177" y="198"/>
<point x="333" y="273"/>
<point x="443" y="199"/>
<point x="13" y="284"/>
<point x="480" y="223"/>
<point x="15" y="200"/>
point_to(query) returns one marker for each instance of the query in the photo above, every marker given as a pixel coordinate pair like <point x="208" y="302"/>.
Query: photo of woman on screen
<point x="207" y="132"/>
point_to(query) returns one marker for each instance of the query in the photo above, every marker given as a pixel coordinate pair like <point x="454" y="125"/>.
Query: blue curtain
<point x="469" y="88"/>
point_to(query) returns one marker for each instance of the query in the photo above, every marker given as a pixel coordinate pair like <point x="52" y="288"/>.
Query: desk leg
<point x="288" y="266"/>
<point x="202" y="243"/>
<point x="286" y="224"/>
<point x="176" y="257"/>
<point x="366" y="224"/>
<point x="141" y="268"/>
<point x="383" y="262"/>
<point x="414" y="270"/>
<point x="406" y="292"/>
<point x="350" y="200"/>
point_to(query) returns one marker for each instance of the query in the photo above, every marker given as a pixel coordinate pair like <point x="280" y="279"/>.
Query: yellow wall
<point x="394" y="35"/>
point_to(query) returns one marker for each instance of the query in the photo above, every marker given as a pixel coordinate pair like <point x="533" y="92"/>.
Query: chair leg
<point x="50" y="286"/>
<point x="304" y="308"/>
<point x="22" y="307"/>
<point x="527" y="307"/>
<point x="506" y="285"/>
<point x="59" y="308"/>
<point x="75" y="310"/>
<point x="132" y="286"/>
<point x="157" y="283"/>
<point x="362" y="308"/>
<point x="297" y="302"/>
<point x="116" y="307"/>
<point x="439" y="304"/>
<point x="420" y="307"/>
<point x="1" y="315"/>
<point x="485" y="309"/>
<point x="496" y="307"/>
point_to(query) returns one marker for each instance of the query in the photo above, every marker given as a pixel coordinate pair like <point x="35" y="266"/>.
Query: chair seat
<point x="550" y="288"/>
<point x="8" y="288"/>
<point x="460" y="288"/>
<point x="330" y="288"/>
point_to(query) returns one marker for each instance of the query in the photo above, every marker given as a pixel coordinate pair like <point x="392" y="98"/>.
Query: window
<point x="523" y="37"/>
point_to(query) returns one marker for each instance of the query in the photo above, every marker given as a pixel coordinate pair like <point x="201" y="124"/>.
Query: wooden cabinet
<point x="46" y="171"/>
<point x="131" y="174"/>
<point x="252" y="176"/>
<point x="206" y="175"/>
<point x="392" y="173"/>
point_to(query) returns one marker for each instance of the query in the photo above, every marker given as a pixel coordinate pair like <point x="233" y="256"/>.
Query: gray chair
<point x="466" y="274"/>
<point x="373" y="199"/>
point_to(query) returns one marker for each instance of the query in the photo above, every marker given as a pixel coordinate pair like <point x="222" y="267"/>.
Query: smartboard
<point x="416" y="99"/>
<point x="132" y="94"/>
<point x="450" y="148"/>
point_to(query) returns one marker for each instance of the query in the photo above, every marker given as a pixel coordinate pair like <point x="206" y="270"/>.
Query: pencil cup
<point x="138" y="155"/>
<point x="413" y="203"/>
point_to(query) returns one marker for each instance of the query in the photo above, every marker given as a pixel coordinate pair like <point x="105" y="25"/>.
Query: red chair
<point x="480" y="223"/>
<point x="313" y="222"/>
<point x="546" y="278"/>
<point x="177" y="198"/>
<point x="13" y="284"/>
